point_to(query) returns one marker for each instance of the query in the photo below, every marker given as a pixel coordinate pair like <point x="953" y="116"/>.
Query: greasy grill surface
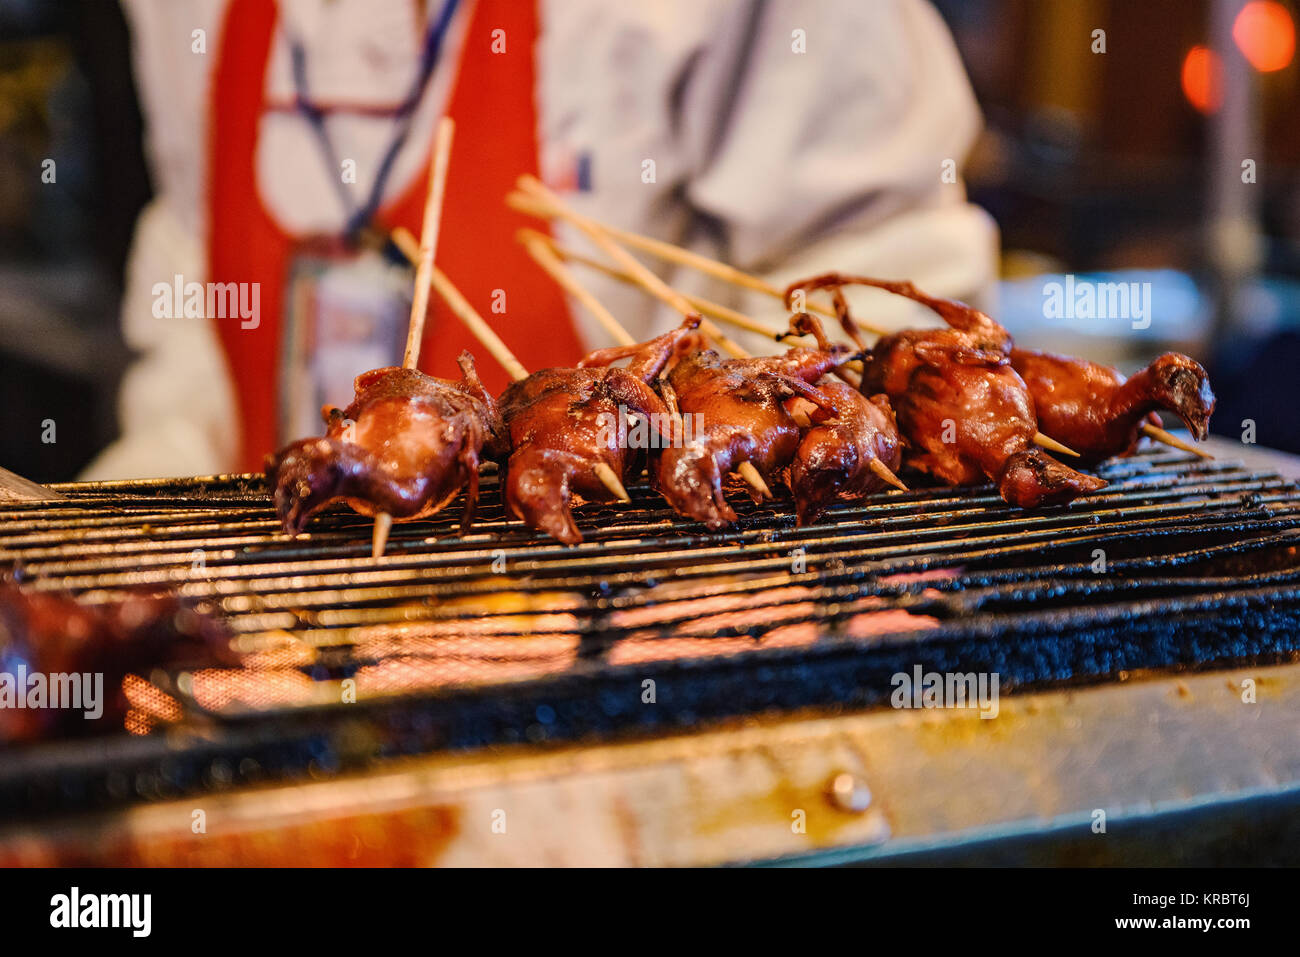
<point x="504" y="636"/>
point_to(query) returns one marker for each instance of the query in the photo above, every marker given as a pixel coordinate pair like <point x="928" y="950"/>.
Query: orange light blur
<point x="1203" y="79"/>
<point x="1265" y="34"/>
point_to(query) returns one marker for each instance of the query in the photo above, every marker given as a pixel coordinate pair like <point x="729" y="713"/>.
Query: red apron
<point x="496" y="140"/>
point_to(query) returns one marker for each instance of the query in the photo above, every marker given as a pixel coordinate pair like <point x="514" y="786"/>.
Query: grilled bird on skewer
<point x="54" y="634"/>
<point x="1097" y="412"/>
<point x="965" y="412"/>
<point x="562" y="425"/>
<point x="1089" y="407"/>
<point x="742" y="403"/>
<point x="833" y="461"/>
<point x="406" y="445"/>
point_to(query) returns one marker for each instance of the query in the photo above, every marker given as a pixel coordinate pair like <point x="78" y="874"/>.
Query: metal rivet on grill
<point x="848" y="793"/>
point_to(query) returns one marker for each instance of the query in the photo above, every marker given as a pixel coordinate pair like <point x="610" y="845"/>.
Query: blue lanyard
<point x="404" y="114"/>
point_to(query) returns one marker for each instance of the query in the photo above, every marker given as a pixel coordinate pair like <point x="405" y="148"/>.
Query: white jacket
<point x="783" y="163"/>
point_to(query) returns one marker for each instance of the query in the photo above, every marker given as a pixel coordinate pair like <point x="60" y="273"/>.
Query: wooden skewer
<point x="542" y="207"/>
<point x="610" y="481"/>
<point x="884" y="471"/>
<point x="651" y="283"/>
<point x="1052" y="445"/>
<point x="745" y="470"/>
<point x="754" y="479"/>
<point x="535" y="204"/>
<point x="428" y="239"/>
<point x="728" y="345"/>
<point x="740" y="320"/>
<point x="703" y="306"/>
<point x="423" y="260"/>
<point x="379" y="541"/>
<point x="462" y="310"/>
<point x="466" y="313"/>
<point x="731" y="316"/>
<point x="1160" y="435"/>
<point x="485" y="334"/>
<point x="638" y="270"/>
<point x="545" y="256"/>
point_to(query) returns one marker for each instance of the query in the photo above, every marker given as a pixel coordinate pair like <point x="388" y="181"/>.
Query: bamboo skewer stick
<point x="379" y="541"/>
<point x="536" y="204"/>
<point x="638" y="270"/>
<point x="428" y="239"/>
<point x="485" y="334"/>
<point x="704" y="307"/>
<point x="746" y="470"/>
<point x="610" y="481"/>
<point x="1160" y="435"/>
<point x="462" y="310"/>
<point x="545" y="256"/>
<point x="14" y="487"/>
<point x="754" y="479"/>
<point x="1052" y="445"/>
<point x="423" y="260"/>
<point x="650" y="282"/>
<point x="883" y="471"/>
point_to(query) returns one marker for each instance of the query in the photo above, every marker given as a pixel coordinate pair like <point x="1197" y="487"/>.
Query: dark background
<point x="66" y="93"/>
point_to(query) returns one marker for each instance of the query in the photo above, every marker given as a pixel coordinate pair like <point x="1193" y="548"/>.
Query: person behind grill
<point x="288" y="139"/>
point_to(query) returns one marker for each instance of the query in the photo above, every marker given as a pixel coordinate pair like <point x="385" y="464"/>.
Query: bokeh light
<point x="1203" y="79"/>
<point x="1265" y="34"/>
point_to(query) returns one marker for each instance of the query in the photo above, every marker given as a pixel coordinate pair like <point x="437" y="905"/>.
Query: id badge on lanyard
<point x="345" y="313"/>
<point x="346" y="308"/>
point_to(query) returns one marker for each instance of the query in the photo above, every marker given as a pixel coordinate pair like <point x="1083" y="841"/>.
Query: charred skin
<point x="741" y="403"/>
<point x="1097" y="412"/>
<point x="833" y="461"/>
<point x="562" y="423"/>
<point x="406" y="445"/>
<point x="968" y="417"/>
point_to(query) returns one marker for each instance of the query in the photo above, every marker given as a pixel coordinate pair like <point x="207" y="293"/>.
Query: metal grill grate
<point x="502" y="636"/>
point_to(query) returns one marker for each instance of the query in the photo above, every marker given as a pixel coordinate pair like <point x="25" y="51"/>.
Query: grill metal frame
<point x="1202" y="573"/>
<point x="1185" y="773"/>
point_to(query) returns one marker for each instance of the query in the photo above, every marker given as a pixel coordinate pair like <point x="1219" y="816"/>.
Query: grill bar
<point x="237" y="558"/>
<point x="502" y="636"/>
